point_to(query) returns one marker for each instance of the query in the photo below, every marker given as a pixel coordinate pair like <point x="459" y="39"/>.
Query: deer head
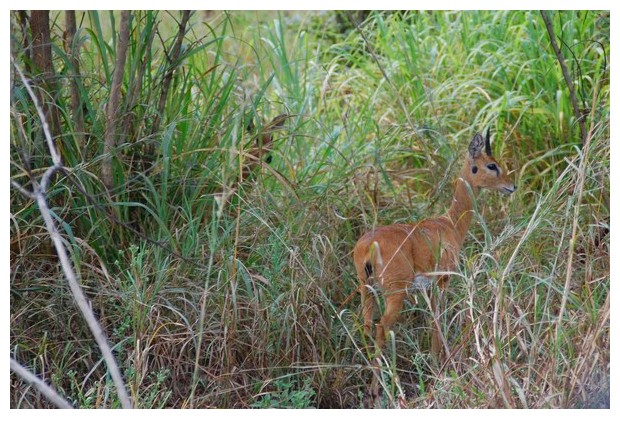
<point x="481" y="169"/>
<point x="259" y="149"/>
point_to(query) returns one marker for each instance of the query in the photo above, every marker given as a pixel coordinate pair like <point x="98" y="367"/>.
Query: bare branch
<point x="47" y="177"/>
<point x="46" y="390"/>
<point x="39" y="196"/>
<point x="21" y="189"/>
<point x="173" y="62"/>
<point x="73" y="53"/>
<point x="581" y="119"/>
<point x="112" y="114"/>
<point x="46" y="129"/>
<point x="117" y="221"/>
<point x="371" y="50"/>
<point x="81" y="300"/>
<point x="134" y="92"/>
<point x="44" y="67"/>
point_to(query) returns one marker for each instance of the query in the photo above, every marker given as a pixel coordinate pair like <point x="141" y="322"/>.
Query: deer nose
<point x="508" y="189"/>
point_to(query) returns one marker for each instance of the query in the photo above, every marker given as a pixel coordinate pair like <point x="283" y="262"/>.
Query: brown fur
<point x="395" y="255"/>
<point x="259" y="150"/>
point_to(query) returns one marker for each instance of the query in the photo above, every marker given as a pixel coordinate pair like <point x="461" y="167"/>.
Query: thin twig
<point x="173" y="63"/>
<point x="101" y="208"/>
<point x="46" y="390"/>
<point x="136" y="88"/>
<point x="567" y="78"/>
<point x="46" y="128"/>
<point x="386" y="77"/>
<point x="21" y="189"/>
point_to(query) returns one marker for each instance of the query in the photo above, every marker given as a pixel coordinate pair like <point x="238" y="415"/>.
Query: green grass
<point x="237" y="302"/>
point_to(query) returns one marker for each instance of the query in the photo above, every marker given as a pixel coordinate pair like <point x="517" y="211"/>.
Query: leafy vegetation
<point x="222" y="289"/>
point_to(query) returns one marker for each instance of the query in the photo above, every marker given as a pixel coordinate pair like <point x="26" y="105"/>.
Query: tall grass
<point x="216" y="293"/>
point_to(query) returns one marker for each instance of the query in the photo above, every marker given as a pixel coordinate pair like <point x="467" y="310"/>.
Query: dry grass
<point x="241" y="302"/>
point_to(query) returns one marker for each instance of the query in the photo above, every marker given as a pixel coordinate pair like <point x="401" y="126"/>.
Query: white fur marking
<point x="421" y="282"/>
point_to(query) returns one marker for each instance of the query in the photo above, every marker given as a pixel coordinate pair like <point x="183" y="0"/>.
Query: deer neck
<point x="461" y="210"/>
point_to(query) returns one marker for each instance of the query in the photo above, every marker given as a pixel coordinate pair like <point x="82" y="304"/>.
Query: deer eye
<point x="492" y="167"/>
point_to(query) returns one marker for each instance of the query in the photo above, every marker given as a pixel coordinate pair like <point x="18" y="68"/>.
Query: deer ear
<point x="277" y="122"/>
<point x="250" y="126"/>
<point x="476" y="146"/>
<point x="487" y="143"/>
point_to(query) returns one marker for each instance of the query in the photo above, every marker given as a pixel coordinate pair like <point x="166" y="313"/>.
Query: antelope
<point x="402" y="257"/>
<point x="259" y="150"/>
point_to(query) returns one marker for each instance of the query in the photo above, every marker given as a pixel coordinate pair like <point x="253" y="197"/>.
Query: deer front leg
<point x="448" y="262"/>
<point x="436" y="310"/>
<point x="435" y="330"/>
<point x="368" y="307"/>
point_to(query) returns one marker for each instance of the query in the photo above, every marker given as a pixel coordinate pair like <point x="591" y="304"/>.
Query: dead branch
<point x="44" y="66"/>
<point x="39" y="195"/>
<point x="73" y="54"/>
<point x="46" y="390"/>
<point x="581" y="119"/>
<point x="173" y="62"/>
<point x="112" y="111"/>
<point x="135" y="90"/>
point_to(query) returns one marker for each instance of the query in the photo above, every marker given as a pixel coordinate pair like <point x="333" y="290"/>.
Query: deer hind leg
<point x="393" y="305"/>
<point x="368" y="307"/>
